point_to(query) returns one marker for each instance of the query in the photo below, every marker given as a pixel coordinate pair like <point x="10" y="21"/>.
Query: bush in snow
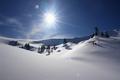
<point x="54" y="47"/>
<point x="14" y="43"/>
<point x="27" y="46"/>
<point x="92" y="35"/>
<point x="42" y="49"/>
<point x="48" y="49"/>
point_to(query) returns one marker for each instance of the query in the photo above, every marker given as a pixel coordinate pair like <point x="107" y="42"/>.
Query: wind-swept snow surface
<point x="94" y="59"/>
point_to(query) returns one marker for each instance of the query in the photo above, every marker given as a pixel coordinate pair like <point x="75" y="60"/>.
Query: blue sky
<point x="76" y="18"/>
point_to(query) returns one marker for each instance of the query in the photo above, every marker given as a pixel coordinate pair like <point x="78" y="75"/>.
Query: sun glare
<point x="50" y="18"/>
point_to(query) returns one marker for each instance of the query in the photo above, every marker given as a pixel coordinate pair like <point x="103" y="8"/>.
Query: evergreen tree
<point x="48" y="49"/>
<point x="64" y="41"/>
<point x="42" y="49"/>
<point x="107" y="35"/>
<point x="27" y="46"/>
<point x="96" y="31"/>
<point x="92" y="35"/>
<point x="39" y="50"/>
<point x="102" y="34"/>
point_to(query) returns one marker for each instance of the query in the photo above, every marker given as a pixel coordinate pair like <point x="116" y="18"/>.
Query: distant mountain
<point x="60" y="41"/>
<point x="115" y="33"/>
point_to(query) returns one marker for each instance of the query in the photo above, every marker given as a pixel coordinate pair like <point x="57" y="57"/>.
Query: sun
<point x="50" y="18"/>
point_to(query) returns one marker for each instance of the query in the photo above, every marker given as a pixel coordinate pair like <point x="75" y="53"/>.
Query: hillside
<point x="84" y="61"/>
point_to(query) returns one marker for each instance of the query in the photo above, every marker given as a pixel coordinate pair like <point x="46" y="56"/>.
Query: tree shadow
<point x="99" y="45"/>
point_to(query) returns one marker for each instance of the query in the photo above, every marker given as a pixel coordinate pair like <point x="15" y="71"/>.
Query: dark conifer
<point x="96" y="31"/>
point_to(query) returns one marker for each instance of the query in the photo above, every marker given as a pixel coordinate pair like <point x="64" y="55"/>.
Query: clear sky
<point x="74" y="18"/>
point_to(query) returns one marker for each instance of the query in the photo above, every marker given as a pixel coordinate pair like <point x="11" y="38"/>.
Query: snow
<point x="84" y="61"/>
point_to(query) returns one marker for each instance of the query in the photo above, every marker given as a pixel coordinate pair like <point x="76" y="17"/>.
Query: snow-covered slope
<point x="110" y="46"/>
<point x="85" y="61"/>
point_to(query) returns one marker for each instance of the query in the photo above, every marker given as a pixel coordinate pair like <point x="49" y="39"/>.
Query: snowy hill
<point x="5" y="40"/>
<point x="94" y="59"/>
<point x="108" y="48"/>
<point x="115" y="33"/>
